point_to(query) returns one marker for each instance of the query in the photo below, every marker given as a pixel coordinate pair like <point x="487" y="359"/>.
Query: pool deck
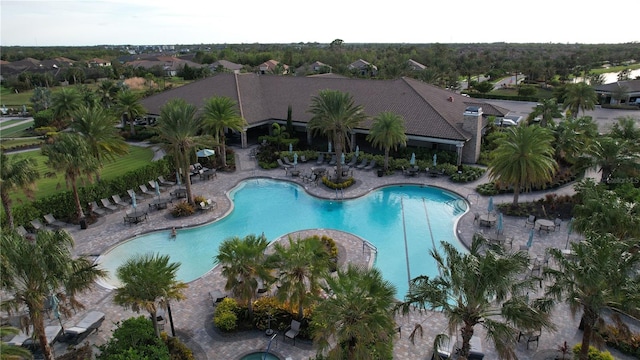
<point x="193" y="316"/>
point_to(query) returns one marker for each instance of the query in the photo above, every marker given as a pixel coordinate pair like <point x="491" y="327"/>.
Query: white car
<point x="509" y="120"/>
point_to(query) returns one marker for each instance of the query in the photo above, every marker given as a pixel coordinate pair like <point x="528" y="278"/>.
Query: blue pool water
<point x="260" y="356"/>
<point x="276" y="208"/>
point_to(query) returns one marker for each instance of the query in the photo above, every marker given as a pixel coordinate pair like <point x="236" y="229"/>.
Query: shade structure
<point x="342" y="159"/>
<point x="133" y="200"/>
<point x="499" y="227"/>
<point x="157" y="188"/>
<point x="412" y="161"/>
<point x="530" y="241"/>
<point x="435" y="160"/>
<point x="490" y="206"/>
<point x="295" y="159"/>
<point x="205" y="153"/>
<point x="357" y="151"/>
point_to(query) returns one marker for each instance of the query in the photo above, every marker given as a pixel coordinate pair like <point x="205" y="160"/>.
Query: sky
<point x="174" y="22"/>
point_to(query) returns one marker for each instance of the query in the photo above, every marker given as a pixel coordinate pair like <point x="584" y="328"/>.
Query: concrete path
<point x="193" y="316"/>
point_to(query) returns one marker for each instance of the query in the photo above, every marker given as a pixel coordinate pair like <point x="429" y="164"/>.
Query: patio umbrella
<point x="357" y="151"/>
<point x="157" y="187"/>
<point x="205" y="153"/>
<point x="499" y="227"/>
<point x="435" y="160"/>
<point x="178" y="178"/>
<point x="490" y="206"/>
<point x="413" y="159"/>
<point x="329" y="146"/>
<point x="55" y="308"/>
<point x="569" y="231"/>
<point x="342" y="158"/>
<point x="290" y="148"/>
<point x="133" y="200"/>
<point x="295" y="159"/>
<point x="530" y="241"/>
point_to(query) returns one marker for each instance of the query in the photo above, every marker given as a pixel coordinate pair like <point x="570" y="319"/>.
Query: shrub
<point x="469" y="173"/>
<point x="134" y="338"/>
<point x="594" y="354"/>
<point x="225" y="317"/>
<point x="177" y="349"/>
<point x="487" y="189"/>
<point x="199" y="198"/>
<point x="183" y="209"/>
<point x="343" y="185"/>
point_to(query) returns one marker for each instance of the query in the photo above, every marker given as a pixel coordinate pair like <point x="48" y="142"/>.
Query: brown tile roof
<point x="427" y="109"/>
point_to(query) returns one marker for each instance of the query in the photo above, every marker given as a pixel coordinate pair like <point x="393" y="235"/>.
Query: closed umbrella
<point x="290" y="148"/>
<point x="133" y="200"/>
<point x="530" y="241"/>
<point x="435" y="160"/>
<point x="500" y="226"/>
<point x="329" y="146"/>
<point x="295" y="159"/>
<point x="178" y="178"/>
<point x="490" y="206"/>
<point x="357" y="151"/>
<point x="412" y="161"/>
<point x="342" y="158"/>
<point x="157" y="187"/>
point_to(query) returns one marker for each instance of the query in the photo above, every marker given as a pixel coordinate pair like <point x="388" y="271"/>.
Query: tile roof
<point x="630" y="85"/>
<point x="427" y="109"/>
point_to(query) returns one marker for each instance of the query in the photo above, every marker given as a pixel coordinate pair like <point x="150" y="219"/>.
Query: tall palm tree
<point x="547" y="110"/>
<point x="580" y="96"/>
<point x="243" y="264"/>
<point x="108" y="92"/>
<point x="599" y="275"/>
<point x="334" y="115"/>
<point x="32" y="271"/>
<point x="612" y="155"/>
<point x="16" y="173"/>
<point x="129" y="107"/>
<point x="483" y="287"/>
<point x="148" y="283"/>
<point x="219" y="114"/>
<point x="358" y="317"/>
<point x="524" y="158"/>
<point x="96" y="126"/>
<point x="572" y="136"/>
<point x="64" y="103"/>
<point x="179" y="127"/>
<point x="302" y="265"/>
<point x="70" y="154"/>
<point x="387" y="131"/>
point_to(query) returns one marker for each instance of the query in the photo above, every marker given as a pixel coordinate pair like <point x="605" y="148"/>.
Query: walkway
<point x="193" y="316"/>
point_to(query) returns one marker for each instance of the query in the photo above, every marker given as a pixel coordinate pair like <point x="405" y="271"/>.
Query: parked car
<point x="509" y="120"/>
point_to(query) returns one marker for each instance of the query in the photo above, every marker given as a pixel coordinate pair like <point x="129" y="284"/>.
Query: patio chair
<point x="93" y="207"/>
<point x="353" y="161"/>
<point x="38" y="225"/>
<point x="530" y="337"/>
<point x="152" y="184"/>
<point x="287" y="161"/>
<point x="90" y="323"/>
<point x="557" y="222"/>
<point x="362" y="164"/>
<point x="371" y="165"/>
<point x="164" y="182"/>
<point x="108" y="205"/>
<point x="531" y="220"/>
<point x="303" y="158"/>
<point x="145" y="191"/>
<point x="476" y="218"/>
<point x="334" y="160"/>
<point x="283" y="165"/>
<point x="293" y="331"/>
<point x="53" y="222"/>
<point x="21" y="231"/>
<point x="320" y="160"/>
<point x="119" y="202"/>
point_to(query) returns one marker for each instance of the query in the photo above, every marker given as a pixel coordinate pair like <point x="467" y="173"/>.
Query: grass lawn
<point x="7" y="144"/>
<point x="137" y="157"/>
<point x="12" y="100"/>
<point x="614" y="69"/>
<point x="16" y="131"/>
<point x="6" y="123"/>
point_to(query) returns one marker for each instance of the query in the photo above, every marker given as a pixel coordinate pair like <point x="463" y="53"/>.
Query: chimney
<point x="472" y="123"/>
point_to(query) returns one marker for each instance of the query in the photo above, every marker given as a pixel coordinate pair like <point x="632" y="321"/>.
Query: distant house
<point x="170" y="65"/>
<point x="434" y="117"/>
<point x="621" y="92"/>
<point x="415" y="66"/>
<point x="314" y="68"/>
<point x="97" y="62"/>
<point x="363" y="68"/>
<point x="226" y="66"/>
<point x="273" y="67"/>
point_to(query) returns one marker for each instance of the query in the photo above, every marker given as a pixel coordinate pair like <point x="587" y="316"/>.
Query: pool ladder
<point x="339" y="194"/>
<point x="264" y="357"/>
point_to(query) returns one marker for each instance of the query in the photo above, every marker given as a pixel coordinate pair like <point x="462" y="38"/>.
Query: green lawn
<point x="136" y="158"/>
<point x="12" y="100"/>
<point x="16" y="131"/>
<point x="8" y="144"/>
<point x="614" y="69"/>
<point x="9" y="122"/>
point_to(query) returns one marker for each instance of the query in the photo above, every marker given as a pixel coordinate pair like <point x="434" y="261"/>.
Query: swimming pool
<point x="275" y="208"/>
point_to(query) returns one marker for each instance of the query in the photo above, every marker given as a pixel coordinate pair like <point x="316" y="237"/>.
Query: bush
<point x="134" y="338"/>
<point x="594" y="354"/>
<point x="469" y="173"/>
<point x="177" y="349"/>
<point x="183" y="209"/>
<point x="225" y="317"/>
<point x="343" y="185"/>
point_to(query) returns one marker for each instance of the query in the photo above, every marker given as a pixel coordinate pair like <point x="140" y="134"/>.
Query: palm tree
<point x="334" y="115"/>
<point x="71" y="155"/>
<point x="547" y="110"/>
<point x="148" y="283"/>
<point x="10" y="352"/>
<point x="243" y="263"/>
<point x="580" y="96"/>
<point x="96" y="126"/>
<point x="597" y="276"/>
<point x="178" y="127"/>
<point x="302" y="265"/>
<point x="358" y="317"/>
<point x="387" y="131"/>
<point x="219" y="115"/>
<point x="483" y="287"/>
<point x="523" y="159"/>
<point x="16" y="173"/>
<point x="572" y="136"/>
<point x="33" y="271"/>
<point x="129" y="107"/>
<point x="65" y="102"/>
<point x="612" y="155"/>
<point x="108" y="91"/>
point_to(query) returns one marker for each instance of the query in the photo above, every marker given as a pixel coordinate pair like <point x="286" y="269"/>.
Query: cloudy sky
<point x="140" y="22"/>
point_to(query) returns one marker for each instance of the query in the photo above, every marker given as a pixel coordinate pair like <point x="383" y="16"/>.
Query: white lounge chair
<point x="90" y="323"/>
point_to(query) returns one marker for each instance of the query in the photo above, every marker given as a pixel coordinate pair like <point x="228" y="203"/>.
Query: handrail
<point x="370" y="245"/>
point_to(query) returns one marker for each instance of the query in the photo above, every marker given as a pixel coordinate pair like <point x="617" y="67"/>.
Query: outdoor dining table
<point x="487" y="220"/>
<point x="319" y="170"/>
<point x="180" y="193"/>
<point x="159" y="203"/>
<point x="135" y="217"/>
<point x="544" y="224"/>
<point x="208" y="174"/>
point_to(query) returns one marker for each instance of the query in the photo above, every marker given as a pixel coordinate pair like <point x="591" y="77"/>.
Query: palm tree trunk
<point x="131" y="125"/>
<point x="76" y="198"/>
<point x="589" y="319"/>
<point x="6" y="204"/>
<point x="338" y="141"/>
<point x="38" y="329"/>
<point x="223" y="149"/>
<point x="467" y="334"/>
<point x="154" y="321"/>
<point x="386" y="158"/>
<point x="516" y="195"/>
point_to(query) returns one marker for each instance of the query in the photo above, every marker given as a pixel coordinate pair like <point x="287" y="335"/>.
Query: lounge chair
<point x="531" y="220"/>
<point x="108" y="205"/>
<point x="334" y="160"/>
<point x="90" y="323"/>
<point x="371" y="165"/>
<point x="216" y="296"/>
<point x="22" y="339"/>
<point x="362" y="164"/>
<point x="283" y="165"/>
<point x="145" y="191"/>
<point x="119" y="202"/>
<point x="22" y="231"/>
<point x="287" y="161"/>
<point x="320" y="160"/>
<point x="303" y="158"/>
<point x="293" y="331"/>
<point x="38" y="225"/>
<point x="131" y="194"/>
<point x="353" y="161"/>
<point x="164" y="182"/>
<point x="152" y="184"/>
<point x="93" y="207"/>
<point x="53" y="222"/>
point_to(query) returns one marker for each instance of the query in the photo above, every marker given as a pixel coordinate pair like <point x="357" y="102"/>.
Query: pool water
<point x="427" y="215"/>
<point x="259" y="356"/>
